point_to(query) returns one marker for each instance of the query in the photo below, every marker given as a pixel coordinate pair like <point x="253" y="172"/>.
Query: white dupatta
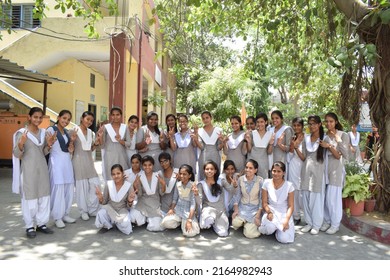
<point x="86" y="141"/>
<point x="261" y="142"/>
<point x="111" y="132"/>
<point x="115" y="195"/>
<point x="209" y="139"/>
<point x="183" y="142"/>
<point x="233" y="143"/>
<point x="149" y="189"/>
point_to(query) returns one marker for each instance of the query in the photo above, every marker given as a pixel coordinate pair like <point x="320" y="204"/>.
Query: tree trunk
<point x="379" y="93"/>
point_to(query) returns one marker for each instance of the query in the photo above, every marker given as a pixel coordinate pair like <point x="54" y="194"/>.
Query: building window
<point x="92" y="80"/>
<point x="19" y="16"/>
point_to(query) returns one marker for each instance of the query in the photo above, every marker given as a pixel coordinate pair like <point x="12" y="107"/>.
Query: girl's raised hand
<point x="194" y="189"/>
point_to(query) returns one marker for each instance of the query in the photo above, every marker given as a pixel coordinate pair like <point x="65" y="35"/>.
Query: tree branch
<point x="354" y="10"/>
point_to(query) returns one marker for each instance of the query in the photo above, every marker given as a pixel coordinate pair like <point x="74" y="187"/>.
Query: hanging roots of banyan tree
<point x="379" y="104"/>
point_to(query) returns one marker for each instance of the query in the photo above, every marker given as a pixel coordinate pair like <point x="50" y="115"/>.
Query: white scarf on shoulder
<point x="86" y="141"/>
<point x="111" y="132"/>
<point x="149" y="189"/>
<point x="183" y="142"/>
<point x="261" y="142"/>
<point x="209" y="139"/>
<point x="233" y="143"/>
<point x="117" y="196"/>
<point x="278" y="133"/>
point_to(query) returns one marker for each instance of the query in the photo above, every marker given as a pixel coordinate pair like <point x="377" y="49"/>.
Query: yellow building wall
<point x="64" y="95"/>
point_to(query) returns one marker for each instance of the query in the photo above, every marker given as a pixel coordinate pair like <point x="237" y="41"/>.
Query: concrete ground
<point x="82" y="241"/>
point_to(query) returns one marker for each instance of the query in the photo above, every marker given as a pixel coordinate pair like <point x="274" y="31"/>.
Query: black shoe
<point x="45" y="229"/>
<point x="297" y="222"/>
<point x="31" y="232"/>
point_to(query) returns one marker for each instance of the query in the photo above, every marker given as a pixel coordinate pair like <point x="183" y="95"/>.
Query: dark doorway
<point x="92" y="108"/>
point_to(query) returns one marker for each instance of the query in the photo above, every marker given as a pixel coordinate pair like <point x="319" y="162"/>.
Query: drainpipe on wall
<point x="139" y="86"/>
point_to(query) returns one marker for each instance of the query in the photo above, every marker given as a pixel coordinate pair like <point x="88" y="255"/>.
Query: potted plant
<point x="356" y="189"/>
<point x="370" y="202"/>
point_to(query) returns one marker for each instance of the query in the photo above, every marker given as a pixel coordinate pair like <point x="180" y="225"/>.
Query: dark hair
<point x="332" y="115"/>
<point x="216" y="189"/>
<point x="136" y="156"/>
<point x="164" y="155"/>
<point x="251" y="118"/>
<point x="228" y="163"/>
<point x="262" y="116"/>
<point x="254" y="162"/>
<point x="175" y="128"/>
<point x="183" y="116"/>
<point x="87" y="113"/>
<point x="277" y="112"/>
<point x="206" y="113"/>
<point x="117" y="165"/>
<point x="153" y="114"/>
<point x="279" y="164"/>
<point x="237" y="118"/>
<point x="63" y="112"/>
<point x="320" y="150"/>
<point x="166" y="119"/>
<point x="189" y="169"/>
<point x="116" y="109"/>
<point x="146" y="159"/>
<point x="35" y="110"/>
<point x="133" y="117"/>
<point x="298" y="120"/>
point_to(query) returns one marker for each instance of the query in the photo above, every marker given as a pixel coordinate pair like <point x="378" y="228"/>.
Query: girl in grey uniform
<point x="234" y="146"/>
<point x="183" y="207"/>
<point x="117" y="198"/>
<point x="312" y="177"/>
<point x="114" y="139"/>
<point x="168" y="176"/>
<point x="336" y="143"/>
<point x="210" y="143"/>
<point x="184" y="145"/>
<point x="84" y="170"/>
<point x="150" y="140"/>
<point x="247" y="201"/>
<point x="132" y="126"/>
<point x="148" y="187"/>
<point x="30" y="172"/>
<point x="283" y="134"/>
<point x="211" y="199"/>
<point x="260" y="144"/>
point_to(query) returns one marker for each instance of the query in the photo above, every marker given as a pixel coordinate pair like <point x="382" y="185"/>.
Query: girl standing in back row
<point x="30" y="173"/>
<point x="336" y="143"/>
<point x="210" y="143"/>
<point x="61" y="171"/>
<point x="114" y="139"/>
<point x="83" y="167"/>
<point x="234" y="146"/>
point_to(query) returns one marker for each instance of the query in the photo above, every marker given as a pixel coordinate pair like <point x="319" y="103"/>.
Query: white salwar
<point x="103" y="220"/>
<point x="211" y="217"/>
<point x="174" y="221"/>
<point x="37" y="210"/>
<point x="86" y="198"/>
<point x="61" y="180"/>
<point x="313" y="208"/>
<point x="154" y="223"/>
<point x="333" y="200"/>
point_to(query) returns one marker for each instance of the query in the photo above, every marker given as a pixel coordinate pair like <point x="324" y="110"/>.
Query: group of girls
<point x="50" y="167"/>
<point x="271" y="174"/>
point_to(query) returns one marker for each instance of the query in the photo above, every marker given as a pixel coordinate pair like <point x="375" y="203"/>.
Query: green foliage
<point x="91" y="10"/>
<point x="357" y="187"/>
